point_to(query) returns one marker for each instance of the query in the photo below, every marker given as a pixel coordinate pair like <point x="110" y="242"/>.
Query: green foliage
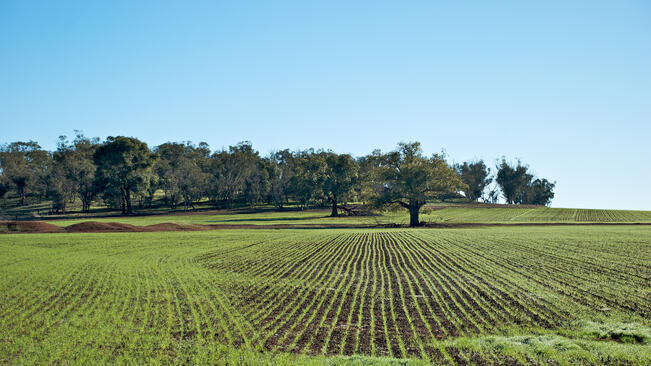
<point x="476" y="176"/>
<point x="409" y="179"/>
<point x="621" y="332"/>
<point x="233" y="171"/>
<point x="124" y="167"/>
<point x="4" y="185"/>
<point x="340" y="178"/>
<point x="551" y="348"/>
<point x="519" y="186"/>
<point x="25" y="166"/>
<point x="540" y="192"/>
<point x="181" y="171"/>
<point x="513" y="179"/>
<point x="73" y="173"/>
<point x="309" y="173"/>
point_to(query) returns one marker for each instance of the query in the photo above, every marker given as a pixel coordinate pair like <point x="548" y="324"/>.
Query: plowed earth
<point x="382" y="292"/>
<point x="35" y="227"/>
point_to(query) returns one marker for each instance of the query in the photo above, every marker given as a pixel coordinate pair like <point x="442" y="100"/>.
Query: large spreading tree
<point x="409" y="178"/>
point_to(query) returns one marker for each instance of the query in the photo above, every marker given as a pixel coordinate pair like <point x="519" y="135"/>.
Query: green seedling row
<point x="494" y="295"/>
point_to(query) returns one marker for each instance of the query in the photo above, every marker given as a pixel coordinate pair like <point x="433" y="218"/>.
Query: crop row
<point x="537" y="214"/>
<point x="399" y="293"/>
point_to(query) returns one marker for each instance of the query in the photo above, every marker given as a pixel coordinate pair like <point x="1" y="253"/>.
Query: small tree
<point x="25" y="166"/>
<point x="518" y="185"/>
<point x="75" y="164"/>
<point x="540" y="192"/>
<point x="409" y="178"/>
<point x="513" y="180"/>
<point x="339" y="179"/>
<point x="476" y="176"/>
<point x="280" y="170"/>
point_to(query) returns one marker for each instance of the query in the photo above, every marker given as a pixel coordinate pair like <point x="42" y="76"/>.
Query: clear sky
<point x="563" y="85"/>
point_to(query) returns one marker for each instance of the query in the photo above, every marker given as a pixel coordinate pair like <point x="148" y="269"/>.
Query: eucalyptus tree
<point x="180" y="170"/>
<point x="306" y="184"/>
<point x="540" y="192"/>
<point x="75" y="166"/>
<point x="280" y="171"/>
<point x="368" y="180"/>
<point x="124" y="167"/>
<point x="340" y="177"/>
<point x="476" y="175"/>
<point x="409" y="178"/>
<point x="25" y="166"/>
<point x="230" y="171"/>
<point x="519" y="185"/>
<point x="513" y="180"/>
<point x="257" y="184"/>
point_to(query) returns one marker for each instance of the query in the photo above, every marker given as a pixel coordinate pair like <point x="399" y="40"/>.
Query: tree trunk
<point x="129" y="208"/>
<point x="127" y="199"/>
<point x="414" y="209"/>
<point x="334" y="213"/>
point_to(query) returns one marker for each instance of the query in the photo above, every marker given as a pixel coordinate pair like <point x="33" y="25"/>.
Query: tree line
<point x="123" y="172"/>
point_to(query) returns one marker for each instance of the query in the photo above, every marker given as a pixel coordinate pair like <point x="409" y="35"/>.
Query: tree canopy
<point x="519" y="185"/>
<point x="476" y="176"/>
<point x="122" y="170"/>
<point x="409" y="179"/>
<point x="340" y="178"/>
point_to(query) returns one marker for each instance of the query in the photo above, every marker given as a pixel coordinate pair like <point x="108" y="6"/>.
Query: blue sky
<point x="563" y="85"/>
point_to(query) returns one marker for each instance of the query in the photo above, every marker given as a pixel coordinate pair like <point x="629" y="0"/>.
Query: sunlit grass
<point x="563" y="294"/>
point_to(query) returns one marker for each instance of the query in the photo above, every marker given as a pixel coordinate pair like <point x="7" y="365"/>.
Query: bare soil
<point x="35" y="227"/>
<point x="9" y="227"/>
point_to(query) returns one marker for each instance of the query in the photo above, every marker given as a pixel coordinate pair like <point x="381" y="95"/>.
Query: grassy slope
<point x="126" y="298"/>
<point x="537" y="214"/>
<point x="435" y="213"/>
<point x="447" y="215"/>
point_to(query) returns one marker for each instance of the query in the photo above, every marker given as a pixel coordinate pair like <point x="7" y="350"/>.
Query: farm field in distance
<point x="485" y="295"/>
<point x="434" y="214"/>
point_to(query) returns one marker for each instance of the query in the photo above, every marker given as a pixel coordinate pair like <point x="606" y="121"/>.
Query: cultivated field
<point x="435" y="214"/>
<point x="538" y="214"/>
<point x="516" y="295"/>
